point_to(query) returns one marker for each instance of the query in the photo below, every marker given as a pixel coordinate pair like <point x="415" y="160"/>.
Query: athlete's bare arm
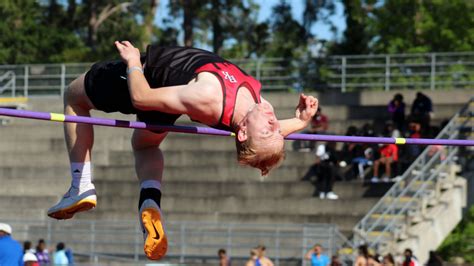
<point x="196" y="99"/>
<point x="305" y="110"/>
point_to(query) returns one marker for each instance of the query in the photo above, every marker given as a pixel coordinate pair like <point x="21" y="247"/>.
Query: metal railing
<point x="344" y="73"/>
<point x="187" y="241"/>
<point x="385" y="221"/>
<point x="401" y="71"/>
<point x="8" y="82"/>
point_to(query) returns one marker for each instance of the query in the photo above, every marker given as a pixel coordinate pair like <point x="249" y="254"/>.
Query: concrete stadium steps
<point x="125" y="158"/>
<point x="205" y="158"/>
<point x="55" y="182"/>
<point x="288" y="205"/>
<point x="272" y="188"/>
<point x="14" y="212"/>
<point x="26" y="202"/>
<point x="345" y="223"/>
<point x="213" y="173"/>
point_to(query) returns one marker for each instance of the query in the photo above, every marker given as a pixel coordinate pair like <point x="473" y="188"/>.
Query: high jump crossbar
<point x="216" y="132"/>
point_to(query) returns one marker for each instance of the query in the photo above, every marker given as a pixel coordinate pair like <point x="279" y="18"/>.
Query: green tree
<point x="400" y="26"/>
<point x="356" y="38"/>
<point x="28" y="37"/>
<point x="288" y="38"/>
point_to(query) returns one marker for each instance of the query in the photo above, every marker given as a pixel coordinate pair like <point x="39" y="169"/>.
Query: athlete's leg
<point x="79" y="140"/>
<point x="76" y="102"/>
<point x="149" y="169"/>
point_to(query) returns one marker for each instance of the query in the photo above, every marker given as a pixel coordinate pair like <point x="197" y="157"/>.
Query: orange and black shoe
<point x="74" y="201"/>
<point x="151" y="220"/>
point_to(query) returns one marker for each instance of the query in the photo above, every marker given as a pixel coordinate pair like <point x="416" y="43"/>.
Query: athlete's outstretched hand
<point x="306" y="108"/>
<point x="128" y="52"/>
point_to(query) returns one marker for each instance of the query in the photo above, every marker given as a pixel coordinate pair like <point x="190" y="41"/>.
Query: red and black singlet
<point x="232" y="79"/>
<point x="169" y="66"/>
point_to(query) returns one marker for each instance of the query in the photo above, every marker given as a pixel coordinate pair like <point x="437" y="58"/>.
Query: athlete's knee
<point x="143" y="139"/>
<point x="75" y="95"/>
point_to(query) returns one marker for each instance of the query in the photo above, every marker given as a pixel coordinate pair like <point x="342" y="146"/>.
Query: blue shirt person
<point x="11" y="252"/>
<point x="316" y="257"/>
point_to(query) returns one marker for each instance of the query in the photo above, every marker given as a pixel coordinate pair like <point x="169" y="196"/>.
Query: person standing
<point x="316" y="257"/>
<point x="42" y="253"/>
<point x="224" y="260"/>
<point x="396" y="107"/>
<point x="421" y="111"/>
<point x="11" y="252"/>
<point x="60" y="257"/>
<point x="262" y="260"/>
<point x="364" y="258"/>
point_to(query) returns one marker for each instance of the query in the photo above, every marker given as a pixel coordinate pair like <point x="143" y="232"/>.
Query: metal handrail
<point x="417" y="193"/>
<point x="283" y="73"/>
<point x="362" y="229"/>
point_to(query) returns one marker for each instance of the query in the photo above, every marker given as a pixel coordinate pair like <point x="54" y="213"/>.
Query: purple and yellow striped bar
<point x="211" y="131"/>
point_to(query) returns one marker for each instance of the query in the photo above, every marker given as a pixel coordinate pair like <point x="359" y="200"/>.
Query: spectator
<point x="364" y="258"/>
<point x="414" y="132"/>
<point x="253" y="258"/>
<point x="388" y="155"/>
<point x="42" y="253"/>
<point x="422" y="110"/>
<point x="59" y="257"/>
<point x="29" y="257"/>
<point x="410" y="259"/>
<point x="316" y="257"/>
<point x="319" y="123"/>
<point x="335" y="261"/>
<point x="224" y="260"/>
<point x="433" y="149"/>
<point x="262" y="260"/>
<point x="388" y="260"/>
<point x="434" y="259"/>
<point x="323" y="168"/>
<point x="70" y="256"/>
<point x="11" y="252"/>
<point x="359" y="164"/>
<point x="390" y="130"/>
<point x="396" y="107"/>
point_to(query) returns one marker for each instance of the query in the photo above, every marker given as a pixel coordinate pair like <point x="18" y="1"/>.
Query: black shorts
<point x="107" y="88"/>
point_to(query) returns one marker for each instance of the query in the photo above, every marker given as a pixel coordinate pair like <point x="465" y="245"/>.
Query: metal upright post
<point x="137" y="242"/>
<point x="63" y="78"/>
<point x="303" y="248"/>
<point x="259" y="67"/>
<point x="229" y="240"/>
<point x="25" y="80"/>
<point x="433" y="72"/>
<point x="183" y="243"/>
<point x="343" y="74"/>
<point x="387" y="72"/>
<point x="92" y="244"/>
<point x="14" y="84"/>
<point x="277" y="247"/>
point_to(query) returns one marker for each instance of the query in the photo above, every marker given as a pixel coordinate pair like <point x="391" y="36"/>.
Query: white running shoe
<point x="332" y="196"/>
<point x="374" y="179"/>
<point x="322" y="195"/>
<point x="74" y="201"/>
<point x="155" y="240"/>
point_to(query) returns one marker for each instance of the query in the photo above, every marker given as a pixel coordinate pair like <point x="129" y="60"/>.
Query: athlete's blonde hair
<point x="267" y="160"/>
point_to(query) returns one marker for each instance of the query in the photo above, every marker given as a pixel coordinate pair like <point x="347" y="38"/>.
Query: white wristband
<point x="130" y="70"/>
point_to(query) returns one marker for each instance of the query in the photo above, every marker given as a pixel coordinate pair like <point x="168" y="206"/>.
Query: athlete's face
<point x="263" y="128"/>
